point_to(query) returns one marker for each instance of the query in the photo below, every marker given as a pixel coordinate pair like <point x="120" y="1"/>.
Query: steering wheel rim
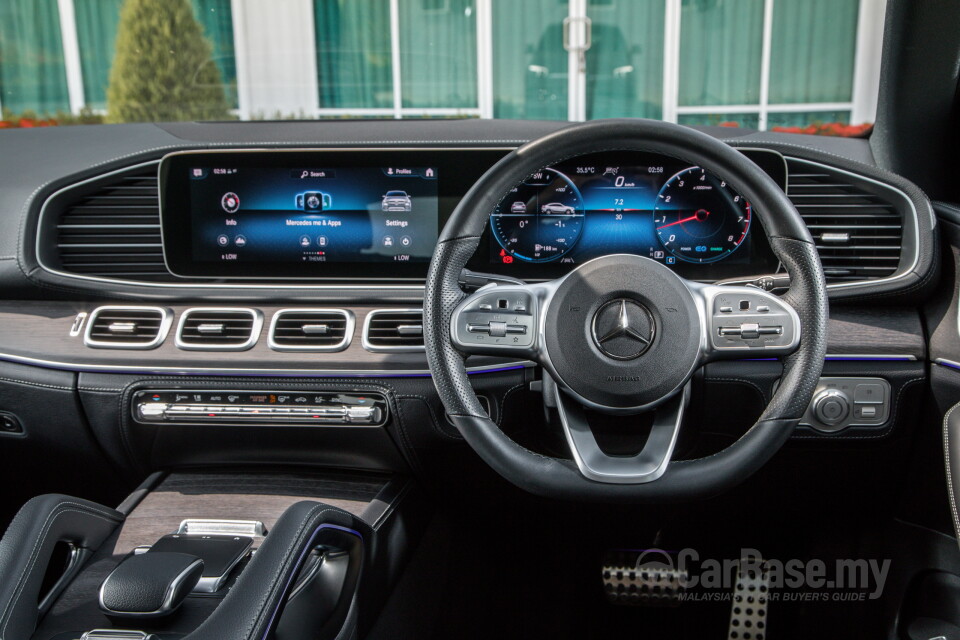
<point x="789" y="239"/>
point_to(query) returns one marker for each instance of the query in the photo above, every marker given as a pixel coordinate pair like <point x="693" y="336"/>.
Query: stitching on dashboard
<point x="503" y="401"/>
<point x="433" y="415"/>
<point x="405" y="439"/>
<point x="946" y="458"/>
<point x="36" y="384"/>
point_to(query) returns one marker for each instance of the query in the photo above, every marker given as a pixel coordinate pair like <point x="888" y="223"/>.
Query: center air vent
<point x="393" y="330"/>
<point x="108" y="227"/>
<point x="855" y="223"/>
<point x="127" y="327"/>
<point x="311" y="330"/>
<point x="223" y="329"/>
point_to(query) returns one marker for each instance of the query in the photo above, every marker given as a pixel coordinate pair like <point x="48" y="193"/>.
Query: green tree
<point x="163" y="69"/>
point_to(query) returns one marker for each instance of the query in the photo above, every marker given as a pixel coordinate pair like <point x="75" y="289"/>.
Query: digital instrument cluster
<point x="376" y="214"/>
<point x="604" y="204"/>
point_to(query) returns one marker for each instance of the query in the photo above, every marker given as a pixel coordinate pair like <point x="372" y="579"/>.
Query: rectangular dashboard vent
<point x="127" y="327"/>
<point x="113" y="231"/>
<point x="857" y="230"/>
<point x="311" y="330"/>
<point x="224" y="329"/>
<point x="394" y="330"/>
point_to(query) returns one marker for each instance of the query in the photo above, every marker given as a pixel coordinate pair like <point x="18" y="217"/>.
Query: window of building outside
<point x="753" y="63"/>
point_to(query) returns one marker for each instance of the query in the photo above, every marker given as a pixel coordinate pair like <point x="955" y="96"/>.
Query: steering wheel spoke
<point x="500" y="320"/>
<point x="646" y="466"/>
<point x="745" y="322"/>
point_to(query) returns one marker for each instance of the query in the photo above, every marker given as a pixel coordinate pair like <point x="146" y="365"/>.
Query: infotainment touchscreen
<point x="276" y="214"/>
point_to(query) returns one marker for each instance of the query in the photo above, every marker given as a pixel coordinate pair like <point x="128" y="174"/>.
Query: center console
<point x="226" y="554"/>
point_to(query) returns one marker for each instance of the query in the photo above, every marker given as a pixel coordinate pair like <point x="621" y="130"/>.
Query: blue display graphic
<point x="326" y="214"/>
<point x="577" y="211"/>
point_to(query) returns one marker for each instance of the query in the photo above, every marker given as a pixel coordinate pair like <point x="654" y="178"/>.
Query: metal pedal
<point x="751" y="597"/>
<point x="643" y="578"/>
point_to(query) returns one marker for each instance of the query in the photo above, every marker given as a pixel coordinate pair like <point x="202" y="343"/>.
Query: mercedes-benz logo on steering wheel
<point x="623" y="329"/>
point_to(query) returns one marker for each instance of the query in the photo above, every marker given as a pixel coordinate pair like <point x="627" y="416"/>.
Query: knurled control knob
<point x="831" y="406"/>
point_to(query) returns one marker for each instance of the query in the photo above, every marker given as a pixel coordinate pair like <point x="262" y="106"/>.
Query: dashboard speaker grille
<point x="311" y="330"/>
<point x="394" y="330"/>
<point x="127" y="327"/>
<point x="113" y="230"/>
<point x="858" y="231"/>
<point x="212" y="329"/>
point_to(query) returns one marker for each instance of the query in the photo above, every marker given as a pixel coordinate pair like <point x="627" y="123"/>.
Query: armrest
<point x="28" y="544"/>
<point x="254" y="604"/>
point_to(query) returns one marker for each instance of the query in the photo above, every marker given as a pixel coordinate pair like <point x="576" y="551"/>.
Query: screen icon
<point x="314" y="201"/>
<point x="304" y="241"/>
<point x="388" y="241"/>
<point x="321" y="241"/>
<point x="396" y="201"/>
<point x="230" y="202"/>
<point x="223" y="240"/>
<point x="240" y="241"/>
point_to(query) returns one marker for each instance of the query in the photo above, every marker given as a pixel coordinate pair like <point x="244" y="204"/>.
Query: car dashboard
<point x="269" y="261"/>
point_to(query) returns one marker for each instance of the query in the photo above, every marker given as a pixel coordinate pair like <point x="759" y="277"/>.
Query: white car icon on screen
<point x="557" y="208"/>
<point x="396" y="201"/>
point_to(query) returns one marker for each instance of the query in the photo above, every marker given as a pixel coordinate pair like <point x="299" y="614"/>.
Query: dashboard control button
<point x="498" y="329"/>
<point x="831" y="407"/>
<point x="867" y="411"/>
<point x="9" y="423"/>
<point x="726" y="309"/>
<point x="750" y="331"/>
<point x="870" y="393"/>
<point x="763" y="309"/>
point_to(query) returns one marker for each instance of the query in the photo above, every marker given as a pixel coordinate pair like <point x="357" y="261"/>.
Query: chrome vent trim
<point x="393" y="330"/>
<point x="323" y="330"/>
<point x="219" y="328"/>
<point x="127" y="327"/>
<point x="866" y="232"/>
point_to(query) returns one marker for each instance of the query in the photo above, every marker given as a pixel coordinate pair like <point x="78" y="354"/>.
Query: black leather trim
<point x="28" y="544"/>
<point x="252" y="607"/>
<point x="150" y="584"/>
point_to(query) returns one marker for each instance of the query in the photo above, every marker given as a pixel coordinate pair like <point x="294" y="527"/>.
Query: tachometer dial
<point x="699" y="218"/>
<point x="540" y="219"/>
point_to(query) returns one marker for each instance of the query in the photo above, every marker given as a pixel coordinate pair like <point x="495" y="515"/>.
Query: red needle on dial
<point x="696" y="216"/>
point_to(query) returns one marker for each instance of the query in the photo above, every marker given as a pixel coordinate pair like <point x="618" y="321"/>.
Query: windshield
<point x="793" y="65"/>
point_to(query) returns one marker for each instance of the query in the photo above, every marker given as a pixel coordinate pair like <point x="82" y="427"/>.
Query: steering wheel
<point x="624" y="334"/>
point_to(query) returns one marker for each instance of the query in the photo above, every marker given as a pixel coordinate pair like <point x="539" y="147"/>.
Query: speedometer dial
<point x="540" y="219"/>
<point x="700" y="218"/>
